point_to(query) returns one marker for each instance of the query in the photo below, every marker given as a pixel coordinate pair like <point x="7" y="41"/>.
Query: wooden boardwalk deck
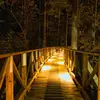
<point x="54" y="83"/>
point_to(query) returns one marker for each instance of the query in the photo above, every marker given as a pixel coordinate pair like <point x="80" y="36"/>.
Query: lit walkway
<point x="54" y="82"/>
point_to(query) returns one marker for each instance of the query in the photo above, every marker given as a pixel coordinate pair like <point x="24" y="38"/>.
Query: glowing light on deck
<point x="65" y="77"/>
<point x="73" y="74"/>
<point x="45" y="67"/>
<point x="50" y="60"/>
<point x="61" y="62"/>
<point x="70" y="62"/>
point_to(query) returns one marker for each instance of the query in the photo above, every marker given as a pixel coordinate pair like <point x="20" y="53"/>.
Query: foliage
<point x="88" y="26"/>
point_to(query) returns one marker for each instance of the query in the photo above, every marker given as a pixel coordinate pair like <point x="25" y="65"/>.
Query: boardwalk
<point x="54" y="82"/>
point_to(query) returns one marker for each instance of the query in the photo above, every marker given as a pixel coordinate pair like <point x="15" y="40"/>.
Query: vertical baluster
<point x="44" y="54"/>
<point x="85" y="69"/>
<point x="36" y="63"/>
<point x="74" y="60"/>
<point x="32" y="67"/>
<point x="99" y="79"/>
<point x="68" y="60"/>
<point x="65" y="56"/>
<point x="10" y="80"/>
<point x="71" y="59"/>
<point x="38" y="59"/>
<point x="24" y="69"/>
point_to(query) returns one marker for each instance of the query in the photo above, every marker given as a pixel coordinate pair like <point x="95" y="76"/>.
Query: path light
<point x="45" y="67"/>
<point x="66" y="77"/>
<point x="50" y="60"/>
<point x="61" y="63"/>
<point x="70" y="62"/>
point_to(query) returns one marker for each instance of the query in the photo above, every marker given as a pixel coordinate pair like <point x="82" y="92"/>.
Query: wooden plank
<point x="16" y="72"/>
<point x="10" y="80"/>
<point x="85" y="69"/>
<point x="3" y="71"/>
<point x="99" y="79"/>
<point x="54" y="84"/>
<point x="91" y="76"/>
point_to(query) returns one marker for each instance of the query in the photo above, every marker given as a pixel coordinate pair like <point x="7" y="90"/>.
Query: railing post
<point x="10" y="80"/>
<point x="74" y="60"/>
<point x="32" y="66"/>
<point x="24" y="69"/>
<point x="71" y="59"/>
<point x="36" y="63"/>
<point x="38" y="59"/>
<point x="99" y="79"/>
<point x="85" y="69"/>
<point x="68" y="59"/>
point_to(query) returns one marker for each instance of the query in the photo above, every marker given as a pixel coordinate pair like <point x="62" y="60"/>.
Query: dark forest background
<point x="22" y="24"/>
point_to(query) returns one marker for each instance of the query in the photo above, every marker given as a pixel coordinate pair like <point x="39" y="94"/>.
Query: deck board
<point x="54" y="82"/>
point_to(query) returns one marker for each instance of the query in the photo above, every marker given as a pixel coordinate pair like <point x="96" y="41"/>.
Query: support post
<point x="32" y="66"/>
<point x="85" y="69"/>
<point x="99" y="79"/>
<point x="10" y="80"/>
<point x="74" y="60"/>
<point x="66" y="26"/>
<point x="68" y="60"/>
<point x="24" y="69"/>
<point x="44" y="23"/>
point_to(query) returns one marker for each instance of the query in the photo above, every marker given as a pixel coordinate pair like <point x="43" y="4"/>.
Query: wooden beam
<point x="16" y="72"/>
<point x="68" y="60"/>
<point x="44" y="35"/>
<point x="31" y="64"/>
<point x="10" y="80"/>
<point x="29" y="85"/>
<point x="98" y="79"/>
<point x="85" y="69"/>
<point x="85" y="95"/>
<point x="74" y="60"/>
<point x="3" y="71"/>
<point x="91" y="76"/>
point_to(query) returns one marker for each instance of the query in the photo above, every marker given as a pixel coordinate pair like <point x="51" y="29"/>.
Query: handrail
<point x="19" y="53"/>
<point x="83" y="52"/>
<point x="25" y="66"/>
<point x="30" y="63"/>
<point x="78" y="62"/>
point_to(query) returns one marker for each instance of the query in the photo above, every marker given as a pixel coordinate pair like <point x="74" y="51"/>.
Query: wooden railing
<point x="18" y="71"/>
<point x="84" y="67"/>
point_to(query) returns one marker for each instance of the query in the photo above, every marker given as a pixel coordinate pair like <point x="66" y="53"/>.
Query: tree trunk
<point x="66" y="26"/>
<point x="74" y="32"/>
<point x="75" y="5"/>
<point x="44" y="43"/>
